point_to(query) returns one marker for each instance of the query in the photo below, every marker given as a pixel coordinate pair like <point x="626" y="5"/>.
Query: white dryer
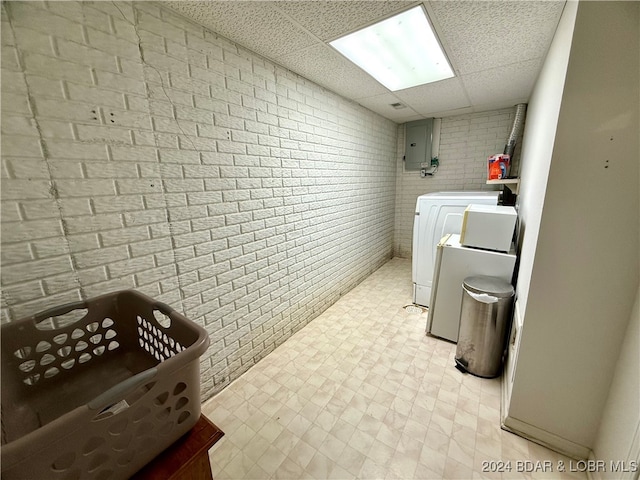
<point x="437" y="214"/>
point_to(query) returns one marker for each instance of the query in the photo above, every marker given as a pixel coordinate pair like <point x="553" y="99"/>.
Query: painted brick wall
<point x="142" y="151"/>
<point x="465" y="143"/>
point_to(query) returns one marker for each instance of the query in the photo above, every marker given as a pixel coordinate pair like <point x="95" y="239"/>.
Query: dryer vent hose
<point x="516" y="129"/>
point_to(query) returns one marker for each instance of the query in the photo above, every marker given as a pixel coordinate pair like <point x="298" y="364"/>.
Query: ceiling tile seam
<point x="483" y="107"/>
<point x="466" y="93"/>
<point x="495" y="66"/>
<point x="415" y="112"/>
<point x="438" y="30"/>
<point x="296" y="24"/>
<point x="503" y="67"/>
<point x="433" y="18"/>
<point x="324" y="45"/>
<point x="302" y="50"/>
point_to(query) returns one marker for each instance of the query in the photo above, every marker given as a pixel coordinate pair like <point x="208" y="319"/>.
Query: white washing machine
<point x="437" y="214"/>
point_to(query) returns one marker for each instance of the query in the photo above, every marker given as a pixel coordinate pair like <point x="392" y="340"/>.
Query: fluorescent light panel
<point x="399" y="52"/>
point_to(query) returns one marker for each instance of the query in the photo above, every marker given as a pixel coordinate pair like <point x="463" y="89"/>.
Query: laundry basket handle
<point x="167" y="311"/>
<point x="58" y="311"/>
<point x="163" y="307"/>
<point x="117" y="392"/>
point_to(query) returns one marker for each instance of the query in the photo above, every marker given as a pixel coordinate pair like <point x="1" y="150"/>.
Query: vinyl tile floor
<point x="362" y="393"/>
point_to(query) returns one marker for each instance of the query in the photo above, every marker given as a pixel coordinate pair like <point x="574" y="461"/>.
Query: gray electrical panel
<point x="418" y="143"/>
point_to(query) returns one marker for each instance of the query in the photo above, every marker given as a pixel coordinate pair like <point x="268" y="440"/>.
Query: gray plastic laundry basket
<point x="100" y="397"/>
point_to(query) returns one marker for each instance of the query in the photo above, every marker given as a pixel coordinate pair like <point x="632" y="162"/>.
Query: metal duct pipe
<point x="516" y="129"/>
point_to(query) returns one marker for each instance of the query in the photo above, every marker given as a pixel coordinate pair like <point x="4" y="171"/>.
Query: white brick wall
<point x="142" y="151"/>
<point x="465" y="143"/>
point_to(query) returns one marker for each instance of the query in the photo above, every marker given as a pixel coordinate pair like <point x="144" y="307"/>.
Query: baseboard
<point x="544" y="438"/>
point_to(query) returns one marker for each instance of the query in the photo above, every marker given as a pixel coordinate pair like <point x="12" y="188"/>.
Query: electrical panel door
<point x="418" y="143"/>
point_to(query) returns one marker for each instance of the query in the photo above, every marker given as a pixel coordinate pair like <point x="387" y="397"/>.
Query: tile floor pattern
<point x="362" y="393"/>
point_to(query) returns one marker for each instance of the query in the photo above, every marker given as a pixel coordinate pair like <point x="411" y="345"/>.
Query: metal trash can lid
<point x="493" y="286"/>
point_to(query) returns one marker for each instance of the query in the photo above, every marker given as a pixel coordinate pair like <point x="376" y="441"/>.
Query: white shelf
<point x="512" y="183"/>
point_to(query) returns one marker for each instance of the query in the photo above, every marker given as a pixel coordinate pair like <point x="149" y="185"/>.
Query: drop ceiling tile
<point x="254" y="25"/>
<point x="330" y="19"/>
<point x="381" y="104"/>
<point x="480" y="35"/>
<point x="400" y="118"/>
<point x="435" y="97"/>
<point x="458" y="111"/>
<point x="488" y="43"/>
<point x="324" y="66"/>
<point x="498" y="85"/>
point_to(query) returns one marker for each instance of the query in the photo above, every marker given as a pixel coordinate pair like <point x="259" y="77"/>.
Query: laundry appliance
<point x="489" y="227"/>
<point x="436" y="215"/>
<point x="455" y="262"/>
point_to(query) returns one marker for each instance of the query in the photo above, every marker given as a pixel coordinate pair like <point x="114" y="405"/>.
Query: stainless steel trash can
<point x="484" y="318"/>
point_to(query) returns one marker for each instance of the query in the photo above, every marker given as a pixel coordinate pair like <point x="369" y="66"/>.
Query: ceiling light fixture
<point x="399" y="52"/>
